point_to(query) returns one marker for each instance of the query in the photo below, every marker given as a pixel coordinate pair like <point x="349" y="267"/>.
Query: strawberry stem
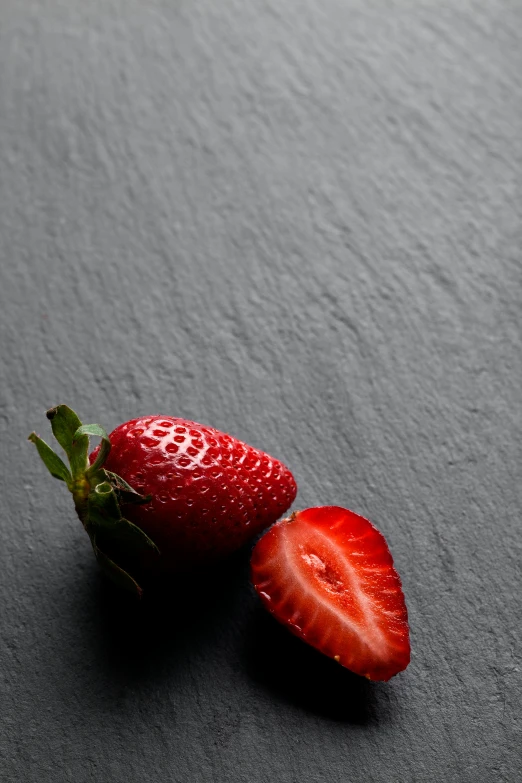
<point x="97" y="493"/>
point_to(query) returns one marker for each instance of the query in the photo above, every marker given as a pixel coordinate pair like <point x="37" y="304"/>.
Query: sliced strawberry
<point x="328" y="575"/>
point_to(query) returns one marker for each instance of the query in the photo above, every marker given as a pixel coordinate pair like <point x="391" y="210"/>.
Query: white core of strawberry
<point x="349" y="582"/>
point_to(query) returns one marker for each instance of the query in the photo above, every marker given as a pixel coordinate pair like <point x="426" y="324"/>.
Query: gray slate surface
<point x="298" y="222"/>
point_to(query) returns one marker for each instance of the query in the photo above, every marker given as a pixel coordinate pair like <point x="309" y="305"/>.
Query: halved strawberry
<point x="328" y="576"/>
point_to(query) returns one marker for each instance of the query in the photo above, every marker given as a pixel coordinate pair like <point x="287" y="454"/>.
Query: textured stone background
<point x="299" y="222"/>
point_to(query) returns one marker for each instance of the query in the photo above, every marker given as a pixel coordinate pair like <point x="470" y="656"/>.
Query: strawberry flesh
<point x="328" y="576"/>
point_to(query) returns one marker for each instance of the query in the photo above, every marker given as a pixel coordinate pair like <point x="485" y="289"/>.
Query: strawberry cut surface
<point x="327" y="574"/>
<point x="210" y="491"/>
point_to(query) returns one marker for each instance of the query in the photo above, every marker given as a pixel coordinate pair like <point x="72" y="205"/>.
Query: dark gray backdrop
<point x="298" y="221"/>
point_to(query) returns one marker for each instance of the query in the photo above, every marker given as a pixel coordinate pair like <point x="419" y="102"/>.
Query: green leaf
<point x="92" y="429"/>
<point x="51" y="460"/>
<point x="131" y="537"/>
<point x="105" y="446"/>
<point x="124" y="491"/>
<point x="103" y="508"/>
<point x="65" y="423"/>
<point x="97" y="494"/>
<point x="104" y="519"/>
<point x="115" y="573"/>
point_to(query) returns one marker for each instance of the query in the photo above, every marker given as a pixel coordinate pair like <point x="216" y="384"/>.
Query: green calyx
<point x="97" y="494"/>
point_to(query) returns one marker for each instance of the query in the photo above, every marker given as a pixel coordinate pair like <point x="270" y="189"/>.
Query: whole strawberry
<point x="165" y="489"/>
<point x="210" y="493"/>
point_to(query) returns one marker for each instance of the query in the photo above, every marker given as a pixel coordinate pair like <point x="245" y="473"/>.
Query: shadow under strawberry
<point x="295" y="672"/>
<point x="177" y="618"/>
<point x="207" y="615"/>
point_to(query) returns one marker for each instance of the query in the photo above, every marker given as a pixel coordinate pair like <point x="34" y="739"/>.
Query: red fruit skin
<point x="328" y="576"/>
<point x="210" y="492"/>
